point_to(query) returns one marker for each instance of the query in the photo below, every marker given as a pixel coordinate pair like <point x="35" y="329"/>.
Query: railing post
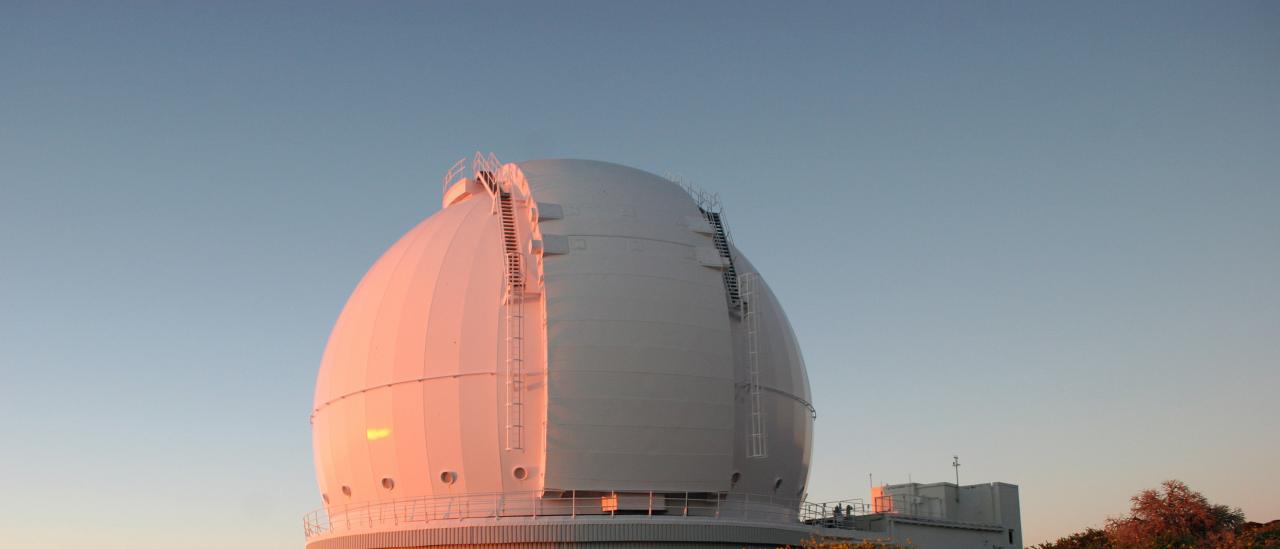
<point x="686" y="504"/>
<point x="573" y="503"/>
<point x="650" y="503"/>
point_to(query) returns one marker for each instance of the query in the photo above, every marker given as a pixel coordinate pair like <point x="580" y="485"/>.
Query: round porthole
<point x="520" y="473"/>
<point x="777" y="483"/>
<point x="448" y="477"/>
<point x="389" y="483"/>
<point x="325" y="497"/>
<point x="346" y="491"/>
<point x="733" y="479"/>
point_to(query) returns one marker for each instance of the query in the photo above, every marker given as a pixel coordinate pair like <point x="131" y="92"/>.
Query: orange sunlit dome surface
<point x="561" y="325"/>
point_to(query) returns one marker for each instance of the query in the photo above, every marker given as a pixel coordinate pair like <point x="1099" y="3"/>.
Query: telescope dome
<point x="561" y="328"/>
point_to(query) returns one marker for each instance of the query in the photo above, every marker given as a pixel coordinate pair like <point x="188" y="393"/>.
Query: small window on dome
<point x="777" y="483"/>
<point x="325" y="497"/>
<point x="389" y="483"/>
<point x="735" y="477"/>
<point x="520" y="473"/>
<point x="346" y="491"/>
<point x="448" y="477"/>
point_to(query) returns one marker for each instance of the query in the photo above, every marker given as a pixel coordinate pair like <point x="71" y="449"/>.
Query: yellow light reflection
<point x="375" y="434"/>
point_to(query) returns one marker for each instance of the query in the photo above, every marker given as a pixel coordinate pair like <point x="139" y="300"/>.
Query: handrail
<point x="536" y="505"/>
<point x="451" y="175"/>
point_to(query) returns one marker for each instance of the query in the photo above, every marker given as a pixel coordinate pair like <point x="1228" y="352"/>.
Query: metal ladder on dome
<point x="758" y="444"/>
<point x="513" y="307"/>
<point x="741" y="293"/>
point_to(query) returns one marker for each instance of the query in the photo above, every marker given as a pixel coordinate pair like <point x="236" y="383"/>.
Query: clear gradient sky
<point x="1044" y="237"/>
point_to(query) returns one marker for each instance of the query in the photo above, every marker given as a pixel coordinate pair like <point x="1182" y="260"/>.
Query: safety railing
<point x="451" y="176"/>
<point x="574" y="505"/>
<point x="834" y="514"/>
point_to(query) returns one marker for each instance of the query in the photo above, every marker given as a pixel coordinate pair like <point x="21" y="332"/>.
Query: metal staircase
<point x="513" y="307"/>
<point x="721" y="241"/>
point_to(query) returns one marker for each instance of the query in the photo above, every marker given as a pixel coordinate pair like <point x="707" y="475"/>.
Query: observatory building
<point x="571" y="352"/>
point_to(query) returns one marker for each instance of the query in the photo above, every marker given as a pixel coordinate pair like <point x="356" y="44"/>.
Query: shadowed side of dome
<point x="640" y="370"/>
<point x="786" y="401"/>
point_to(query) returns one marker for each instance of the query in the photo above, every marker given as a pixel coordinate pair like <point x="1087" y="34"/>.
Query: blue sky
<point x="1043" y="237"/>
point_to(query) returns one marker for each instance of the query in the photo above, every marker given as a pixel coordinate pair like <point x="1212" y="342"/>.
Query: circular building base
<point x="620" y="531"/>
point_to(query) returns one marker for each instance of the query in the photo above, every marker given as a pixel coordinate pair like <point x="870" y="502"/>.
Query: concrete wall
<point x="925" y="536"/>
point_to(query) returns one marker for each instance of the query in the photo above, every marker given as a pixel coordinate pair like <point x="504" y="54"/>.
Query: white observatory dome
<point x="562" y="327"/>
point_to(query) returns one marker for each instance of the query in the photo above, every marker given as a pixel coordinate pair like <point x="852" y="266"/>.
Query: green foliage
<point x="1258" y="536"/>
<point x="1091" y="538"/>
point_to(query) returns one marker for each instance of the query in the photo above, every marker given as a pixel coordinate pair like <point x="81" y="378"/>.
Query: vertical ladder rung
<point x="513" y="308"/>
<point x="757" y="443"/>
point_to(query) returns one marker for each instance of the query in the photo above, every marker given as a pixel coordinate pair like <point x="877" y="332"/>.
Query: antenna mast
<point x="955" y="462"/>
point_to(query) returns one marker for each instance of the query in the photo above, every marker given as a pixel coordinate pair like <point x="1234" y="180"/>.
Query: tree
<point x="1091" y="538"/>
<point x="1252" y="535"/>
<point x="1174" y="516"/>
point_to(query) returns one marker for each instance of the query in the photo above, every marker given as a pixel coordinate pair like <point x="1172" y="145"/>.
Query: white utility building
<point x="571" y="351"/>
<point x="943" y="514"/>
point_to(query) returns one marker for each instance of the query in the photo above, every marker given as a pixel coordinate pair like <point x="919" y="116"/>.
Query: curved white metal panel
<point x="640" y="370"/>
<point x="786" y="398"/>
<point x="410" y="387"/>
